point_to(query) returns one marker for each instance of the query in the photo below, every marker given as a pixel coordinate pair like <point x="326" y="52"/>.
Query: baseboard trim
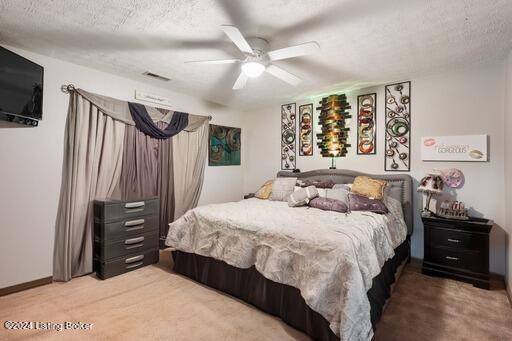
<point x="509" y="292"/>
<point x="24" y="286"/>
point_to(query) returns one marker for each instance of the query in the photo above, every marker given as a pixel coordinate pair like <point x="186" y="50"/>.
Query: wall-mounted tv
<point x="21" y="88"/>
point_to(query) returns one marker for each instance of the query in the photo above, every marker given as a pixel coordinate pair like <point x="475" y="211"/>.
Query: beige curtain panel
<point x="92" y="166"/>
<point x="106" y="156"/>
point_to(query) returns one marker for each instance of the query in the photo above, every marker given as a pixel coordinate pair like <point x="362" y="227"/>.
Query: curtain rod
<point x="69" y="88"/>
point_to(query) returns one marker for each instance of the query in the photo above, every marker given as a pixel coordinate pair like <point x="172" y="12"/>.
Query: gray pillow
<point x="282" y="188"/>
<point x="339" y="193"/>
<point x="327" y="204"/>
<point x="302" y="196"/>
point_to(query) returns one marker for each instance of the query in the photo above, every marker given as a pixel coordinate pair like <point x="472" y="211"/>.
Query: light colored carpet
<point x="155" y="304"/>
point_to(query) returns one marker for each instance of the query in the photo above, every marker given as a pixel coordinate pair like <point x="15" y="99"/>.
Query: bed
<point x="327" y="274"/>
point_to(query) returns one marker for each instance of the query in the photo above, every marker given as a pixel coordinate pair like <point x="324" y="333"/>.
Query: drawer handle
<point x="451" y="258"/>
<point x="454" y="240"/>
<point x="137" y="204"/>
<point x="134" y="259"/>
<point x="135" y="222"/>
<point x="131" y="266"/>
<point x="134" y="240"/>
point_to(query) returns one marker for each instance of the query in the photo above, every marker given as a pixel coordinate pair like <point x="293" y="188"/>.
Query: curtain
<point x="91" y="170"/>
<point x="148" y="171"/>
<point x="189" y="160"/>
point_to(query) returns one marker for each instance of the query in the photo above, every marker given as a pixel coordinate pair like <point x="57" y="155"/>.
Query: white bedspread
<point x="330" y="257"/>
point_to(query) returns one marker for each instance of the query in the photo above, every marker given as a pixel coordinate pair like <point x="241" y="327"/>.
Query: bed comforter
<point x="330" y="257"/>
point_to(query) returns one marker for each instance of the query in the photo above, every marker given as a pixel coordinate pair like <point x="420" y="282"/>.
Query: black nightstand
<point x="458" y="249"/>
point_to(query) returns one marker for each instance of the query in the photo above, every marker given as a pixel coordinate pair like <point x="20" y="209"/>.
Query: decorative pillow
<point x="302" y="196"/>
<point x="340" y="194"/>
<point x="368" y="187"/>
<point x="316" y="183"/>
<point x="327" y="204"/>
<point x="362" y="203"/>
<point x="282" y="188"/>
<point x="265" y="190"/>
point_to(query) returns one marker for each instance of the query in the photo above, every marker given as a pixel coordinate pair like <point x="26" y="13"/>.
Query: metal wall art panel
<point x="398" y="127"/>
<point x="332" y="141"/>
<point x="366" y="124"/>
<point x="306" y="130"/>
<point x="288" y="137"/>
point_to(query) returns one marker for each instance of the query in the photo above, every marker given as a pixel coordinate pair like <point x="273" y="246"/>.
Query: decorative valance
<point x="120" y="111"/>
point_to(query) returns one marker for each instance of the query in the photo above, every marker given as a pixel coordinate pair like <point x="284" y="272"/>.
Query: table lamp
<point x="431" y="184"/>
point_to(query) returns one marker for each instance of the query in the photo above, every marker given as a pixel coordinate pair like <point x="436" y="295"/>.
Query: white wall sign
<point x="454" y="148"/>
<point x="147" y="97"/>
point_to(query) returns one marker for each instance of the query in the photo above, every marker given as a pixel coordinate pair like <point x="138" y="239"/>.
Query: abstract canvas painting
<point x="398" y="127"/>
<point x="224" y="146"/>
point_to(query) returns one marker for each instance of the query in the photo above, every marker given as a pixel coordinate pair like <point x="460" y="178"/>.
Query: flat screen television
<point x="21" y="87"/>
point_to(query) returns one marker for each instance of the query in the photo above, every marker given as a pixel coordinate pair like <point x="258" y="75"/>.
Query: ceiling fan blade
<point x="237" y="38"/>
<point x="221" y="61"/>
<point x="294" y="51"/>
<point x="240" y="81"/>
<point x="283" y="75"/>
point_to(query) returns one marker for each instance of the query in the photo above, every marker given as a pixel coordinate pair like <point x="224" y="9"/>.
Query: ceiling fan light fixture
<point x="253" y="69"/>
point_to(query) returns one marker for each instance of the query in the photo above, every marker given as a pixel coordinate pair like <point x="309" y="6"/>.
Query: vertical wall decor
<point x="332" y="140"/>
<point x="306" y="130"/>
<point x="224" y="146"/>
<point x="288" y="150"/>
<point x="398" y="127"/>
<point x="366" y="124"/>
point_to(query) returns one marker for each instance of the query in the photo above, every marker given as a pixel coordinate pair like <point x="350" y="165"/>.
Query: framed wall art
<point x="398" y="127"/>
<point x="306" y="130"/>
<point x="471" y="148"/>
<point x="288" y="137"/>
<point x="224" y="146"/>
<point x="366" y="124"/>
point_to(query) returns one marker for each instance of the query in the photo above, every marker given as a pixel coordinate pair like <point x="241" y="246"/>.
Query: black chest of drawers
<point x="126" y="235"/>
<point x="458" y="249"/>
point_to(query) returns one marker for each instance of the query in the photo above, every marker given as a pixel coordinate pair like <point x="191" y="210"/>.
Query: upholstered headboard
<point x="399" y="185"/>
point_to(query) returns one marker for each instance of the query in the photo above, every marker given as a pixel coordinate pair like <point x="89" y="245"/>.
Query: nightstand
<point x="458" y="249"/>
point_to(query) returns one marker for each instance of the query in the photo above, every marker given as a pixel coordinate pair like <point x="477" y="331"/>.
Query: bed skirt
<point x="283" y="300"/>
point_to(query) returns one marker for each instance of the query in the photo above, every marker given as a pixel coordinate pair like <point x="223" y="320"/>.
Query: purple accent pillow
<point x="361" y="203"/>
<point x="328" y="204"/>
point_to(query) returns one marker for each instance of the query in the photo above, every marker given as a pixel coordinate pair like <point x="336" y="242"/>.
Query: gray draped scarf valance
<point x="144" y="123"/>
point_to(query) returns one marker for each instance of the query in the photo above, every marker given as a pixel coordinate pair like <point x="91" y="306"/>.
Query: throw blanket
<point x="330" y="257"/>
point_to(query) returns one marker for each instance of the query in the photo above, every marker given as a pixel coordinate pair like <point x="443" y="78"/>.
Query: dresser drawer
<point x="126" y="228"/>
<point x="457" y="239"/>
<point x="104" y="250"/>
<point x="124" y="264"/>
<point x="464" y="260"/>
<point x="115" y="210"/>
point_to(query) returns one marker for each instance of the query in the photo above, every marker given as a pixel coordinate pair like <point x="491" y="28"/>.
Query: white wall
<point x="462" y="102"/>
<point x="508" y="166"/>
<point x="31" y="161"/>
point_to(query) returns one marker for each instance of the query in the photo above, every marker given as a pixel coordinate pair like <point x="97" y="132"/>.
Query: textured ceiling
<point x="363" y="42"/>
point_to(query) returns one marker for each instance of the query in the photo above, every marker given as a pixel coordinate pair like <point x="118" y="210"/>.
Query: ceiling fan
<point x="258" y="59"/>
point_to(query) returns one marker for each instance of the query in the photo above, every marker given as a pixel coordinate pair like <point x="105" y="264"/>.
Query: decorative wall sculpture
<point x="224" y="147"/>
<point x="288" y="149"/>
<point x="306" y="130"/>
<point x="398" y="127"/>
<point x="366" y="124"/>
<point x="332" y="141"/>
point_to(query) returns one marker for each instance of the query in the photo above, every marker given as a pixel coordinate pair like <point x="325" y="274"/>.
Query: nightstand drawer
<point x="115" y="210"/>
<point x="126" y="228"/>
<point x="456" y="239"/>
<point x="469" y="261"/>
<point x="125" y="264"/>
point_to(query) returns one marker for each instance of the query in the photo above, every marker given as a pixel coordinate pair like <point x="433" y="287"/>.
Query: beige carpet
<point x="154" y="304"/>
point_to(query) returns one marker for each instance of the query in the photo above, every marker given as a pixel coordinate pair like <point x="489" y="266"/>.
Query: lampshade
<point x="431" y="183"/>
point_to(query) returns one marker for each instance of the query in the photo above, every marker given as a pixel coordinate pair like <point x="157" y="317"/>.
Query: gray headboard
<point x="399" y="185"/>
